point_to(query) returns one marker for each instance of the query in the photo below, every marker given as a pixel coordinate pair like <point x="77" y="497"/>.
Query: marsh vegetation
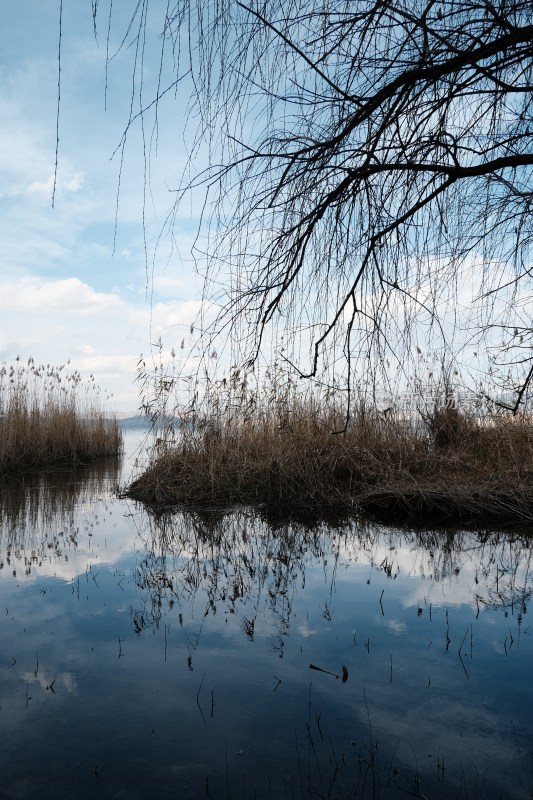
<point x="292" y="449"/>
<point x="50" y="416"/>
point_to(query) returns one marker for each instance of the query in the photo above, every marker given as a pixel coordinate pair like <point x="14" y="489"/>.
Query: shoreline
<point x="414" y="506"/>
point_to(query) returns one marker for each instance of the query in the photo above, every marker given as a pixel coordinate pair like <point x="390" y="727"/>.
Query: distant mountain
<point x="137" y="422"/>
<point x="142" y="422"/>
<point x="126" y="414"/>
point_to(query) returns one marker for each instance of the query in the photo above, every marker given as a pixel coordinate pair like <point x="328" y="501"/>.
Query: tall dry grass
<point x="49" y="416"/>
<point x="301" y="451"/>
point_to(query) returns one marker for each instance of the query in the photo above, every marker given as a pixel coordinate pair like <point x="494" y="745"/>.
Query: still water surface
<point x="171" y="658"/>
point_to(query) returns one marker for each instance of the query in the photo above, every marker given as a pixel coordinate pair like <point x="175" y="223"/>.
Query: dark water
<point x="171" y="658"/>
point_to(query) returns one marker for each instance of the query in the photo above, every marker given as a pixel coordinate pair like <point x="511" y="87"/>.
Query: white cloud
<point x="42" y="187"/>
<point x="107" y="366"/>
<point x="165" y="285"/>
<point x="101" y="333"/>
<point x="70" y="295"/>
<point x="73" y="183"/>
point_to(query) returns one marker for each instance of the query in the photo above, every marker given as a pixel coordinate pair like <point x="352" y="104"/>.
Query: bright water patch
<point x="171" y="657"/>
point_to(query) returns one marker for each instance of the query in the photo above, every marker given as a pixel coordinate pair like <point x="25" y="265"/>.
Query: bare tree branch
<point x="366" y="160"/>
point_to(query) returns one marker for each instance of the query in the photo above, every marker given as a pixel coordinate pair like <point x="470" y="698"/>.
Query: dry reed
<point x="51" y="417"/>
<point x="288" y="453"/>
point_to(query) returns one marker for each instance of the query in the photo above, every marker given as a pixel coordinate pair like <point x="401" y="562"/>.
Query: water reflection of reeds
<point x="40" y="512"/>
<point x="242" y="564"/>
<point x="189" y="626"/>
<point x="200" y="571"/>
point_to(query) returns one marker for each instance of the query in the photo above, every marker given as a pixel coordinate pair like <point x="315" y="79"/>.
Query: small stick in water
<point x="319" y="669"/>
<point x="335" y="675"/>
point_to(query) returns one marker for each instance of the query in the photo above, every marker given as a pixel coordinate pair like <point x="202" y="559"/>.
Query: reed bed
<point x="51" y="417"/>
<point x="304" y="453"/>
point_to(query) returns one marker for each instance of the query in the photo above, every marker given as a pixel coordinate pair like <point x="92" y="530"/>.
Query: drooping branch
<point x="363" y="159"/>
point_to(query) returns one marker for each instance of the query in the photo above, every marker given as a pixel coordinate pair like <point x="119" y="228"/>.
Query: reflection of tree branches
<point x="243" y="565"/>
<point x="499" y="562"/>
<point x="237" y="563"/>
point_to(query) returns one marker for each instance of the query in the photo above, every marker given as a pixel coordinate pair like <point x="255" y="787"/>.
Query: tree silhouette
<point x="365" y="160"/>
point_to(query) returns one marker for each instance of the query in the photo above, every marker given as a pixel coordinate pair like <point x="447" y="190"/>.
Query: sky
<point x="78" y="281"/>
<point x="73" y="285"/>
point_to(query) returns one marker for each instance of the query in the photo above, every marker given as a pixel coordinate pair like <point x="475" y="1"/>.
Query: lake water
<point x="171" y="658"/>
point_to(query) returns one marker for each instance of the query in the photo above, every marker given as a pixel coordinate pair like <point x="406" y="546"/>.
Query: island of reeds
<point x="51" y="417"/>
<point x="446" y="464"/>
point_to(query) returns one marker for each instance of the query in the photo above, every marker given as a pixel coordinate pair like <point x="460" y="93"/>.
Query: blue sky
<point x="68" y="289"/>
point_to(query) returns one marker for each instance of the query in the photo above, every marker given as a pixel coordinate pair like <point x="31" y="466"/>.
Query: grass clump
<point x="49" y="417"/>
<point x="304" y="452"/>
